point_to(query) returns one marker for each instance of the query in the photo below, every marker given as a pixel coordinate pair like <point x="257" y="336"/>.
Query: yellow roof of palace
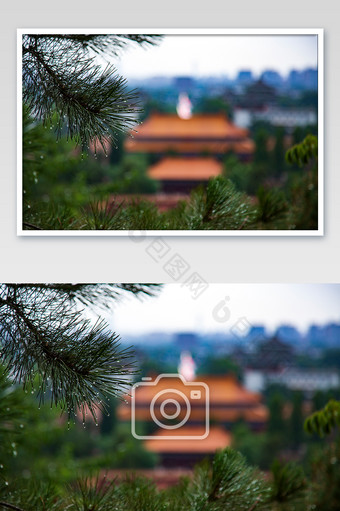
<point x="229" y="401"/>
<point x="218" y="438"/>
<point x="185" y="169"/>
<point x="202" y="125"/>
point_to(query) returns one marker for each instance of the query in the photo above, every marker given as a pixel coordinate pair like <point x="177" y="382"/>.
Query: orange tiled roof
<point x="218" y="438"/>
<point x="226" y="389"/>
<point x="223" y="390"/>
<point x="201" y="126"/>
<point x="245" y="146"/>
<point x="185" y="169"/>
<point x="255" y="414"/>
<point x="229" y="401"/>
<point x="212" y="133"/>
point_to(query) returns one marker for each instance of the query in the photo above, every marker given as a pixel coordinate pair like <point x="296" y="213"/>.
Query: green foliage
<point x="12" y="415"/>
<point x="156" y="104"/>
<point x="255" y="447"/>
<point x="303" y="191"/>
<point x="325" y="478"/>
<point x="276" y="421"/>
<point x="48" y="167"/>
<point x="304" y="152"/>
<point x="278" y="153"/>
<point x="49" y="346"/>
<point x="151" y="366"/>
<point x="58" y="180"/>
<point x="230" y="483"/>
<point x="219" y="366"/>
<point x="245" y="176"/>
<point x="213" y="105"/>
<point x="324" y="421"/>
<point x="77" y="364"/>
<point x="272" y="208"/>
<point x="36" y="445"/>
<point x="330" y="358"/>
<point x="303" y="197"/>
<point x="261" y="155"/>
<point x="129" y="176"/>
<point x="61" y="78"/>
<point x="287" y="198"/>
<point x="289" y="485"/>
<point x="219" y="206"/>
<point x="296" y="421"/>
<point x="22" y="495"/>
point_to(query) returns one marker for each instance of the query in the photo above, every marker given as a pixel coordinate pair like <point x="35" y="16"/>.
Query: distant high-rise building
<point x="244" y="77"/>
<point x="310" y="79"/>
<point x="272" y="78"/>
<point x="294" y="79"/>
<point x="303" y="80"/>
<point x="288" y="333"/>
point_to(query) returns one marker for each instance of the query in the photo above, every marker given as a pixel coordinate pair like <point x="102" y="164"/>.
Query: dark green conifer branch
<point x="219" y="206"/>
<point x="102" y="44"/>
<point x="95" y="294"/>
<point x="48" y="345"/>
<point x="304" y="152"/>
<point x="61" y="78"/>
<point x="324" y="421"/>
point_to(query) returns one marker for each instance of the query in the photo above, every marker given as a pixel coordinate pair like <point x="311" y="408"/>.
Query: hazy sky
<point x="270" y="304"/>
<point x="219" y="55"/>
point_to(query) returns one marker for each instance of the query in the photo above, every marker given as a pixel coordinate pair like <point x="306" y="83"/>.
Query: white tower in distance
<point x="184" y="106"/>
<point x="187" y="366"/>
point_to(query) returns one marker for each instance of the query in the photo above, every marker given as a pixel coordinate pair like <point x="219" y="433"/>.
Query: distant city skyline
<point x="221" y="305"/>
<point x="217" y="55"/>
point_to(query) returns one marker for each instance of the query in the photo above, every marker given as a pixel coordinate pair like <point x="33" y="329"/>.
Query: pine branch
<point x="31" y="226"/>
<point x="99" y="295"/>
<point x="272" y="208"/>
<point x="7" y="505"/>
<point x="91" y="104"/>
<point x="77" y="364"/>
<point x="304" y="152"/>
<point x="219" y="206"/>
<point x="103" y="44"/>
<point x="289" y="483"/>
<point x="226" y="484"/>
<point x="324" y="421"/>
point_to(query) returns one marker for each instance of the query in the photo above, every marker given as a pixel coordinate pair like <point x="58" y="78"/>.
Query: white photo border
<point x="319" y="32"/>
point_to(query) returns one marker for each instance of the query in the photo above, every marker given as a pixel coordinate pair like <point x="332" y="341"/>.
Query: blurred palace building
<point x="169" y="401"/>
<point x="188" y="148"/>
